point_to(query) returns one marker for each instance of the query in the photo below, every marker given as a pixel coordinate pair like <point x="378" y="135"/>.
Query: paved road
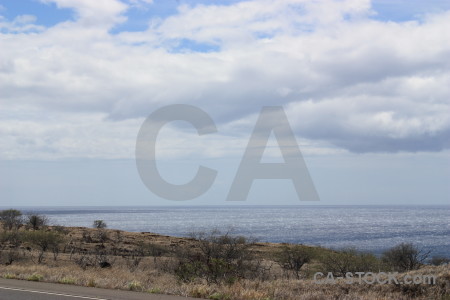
<point x="11" y="289"/>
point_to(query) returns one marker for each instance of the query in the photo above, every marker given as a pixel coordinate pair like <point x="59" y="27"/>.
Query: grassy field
<point x="212" y="265"/>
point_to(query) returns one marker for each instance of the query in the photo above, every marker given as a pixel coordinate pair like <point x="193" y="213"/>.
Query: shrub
<point x="133" y="260"/>
<point x="44" y="241"/>
<point x="217" y="258"/>
<point x="84" y="260"/>
<point x="96" y="258"/>
<point x="187" y="271"/>
<point x="439" y="260"/>
<point x="155" y="290"/>
<point x="11" y="218"/>
<point x="99" y="224"/>
<point x="292" y="258"/>
<point x="67" y="280"/>
<point x="13" y="238"/>
<point x="135" y="286"/>
<point x="91" y="283"/>
<point x="219" y="296"/>
<point x="36" y="222"/>
<point x="9" y="243"/>
<point x="9" y="276"/>
<point x="35" y="277"/>
<point x="349" y="260"/>
<point x="404" y="257"/>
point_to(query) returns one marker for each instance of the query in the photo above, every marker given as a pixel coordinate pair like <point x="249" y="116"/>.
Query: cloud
<point x="21" y="23"/>
<point x="102" y="13"/>
<point x="374" y="124"/>
<point x="346" y="80"/>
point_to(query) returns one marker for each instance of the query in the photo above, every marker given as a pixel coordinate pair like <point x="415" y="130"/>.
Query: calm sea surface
<point x="368" y="228"/>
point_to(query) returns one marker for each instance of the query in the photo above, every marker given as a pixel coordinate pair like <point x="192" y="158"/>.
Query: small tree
<point x="10" y="242"/>
<point x="404" y="257"/>
<point x="44" y="241"/>
<point x="10" y="239"/>
<point x="349" y="260"/>
<point x="11" y="218"/>
<point x="292" y="258"/>
<point x="99" y="224"/>
<point x="217" y="257"/>
<point x="36" y="222"/>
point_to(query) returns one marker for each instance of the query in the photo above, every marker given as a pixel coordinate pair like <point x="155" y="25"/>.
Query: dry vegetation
<point x="210" y="265"/>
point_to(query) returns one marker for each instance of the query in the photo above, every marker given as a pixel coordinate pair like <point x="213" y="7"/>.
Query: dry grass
<point x="150" y="277"/>
<point x="158" y="282"/>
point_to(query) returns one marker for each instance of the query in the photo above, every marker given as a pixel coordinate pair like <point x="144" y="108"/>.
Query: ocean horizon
<point x="368" y="228"/>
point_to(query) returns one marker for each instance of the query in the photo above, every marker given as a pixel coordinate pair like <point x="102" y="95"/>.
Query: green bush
<point x="36" y="222"/>
<point x="10" y="242"/>
<point x="99" y="224"/>
<point x="9" y="276"/>
<point x="188" y="271"/>
<point x="217" y="258"/>
<point x="155" y="290"/>
<point x="13" y="238"/>
<point x="35" y="277"/>
<point x="135" y="286"/>
<point x="44" y="241"/>
<point x="294" y="257"/>
<point x="11" y="218"/>
<point x="349" y="260"/>
<point x="67" y="280"/>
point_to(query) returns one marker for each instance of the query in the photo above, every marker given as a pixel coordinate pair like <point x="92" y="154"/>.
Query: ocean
<point x="366" y="228"/>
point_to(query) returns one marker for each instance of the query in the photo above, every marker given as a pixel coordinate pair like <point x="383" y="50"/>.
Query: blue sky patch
<point x="407" y="10"/>
<point x="186" y="45"/>
<point x="47" y="14"/>
<point x="139" y="17"/>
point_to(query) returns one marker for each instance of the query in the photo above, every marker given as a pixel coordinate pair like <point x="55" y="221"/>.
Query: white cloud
<point x="346" y="80"/>
<point x="60" y="136"/>
<point x="21" y="23"/>
<point x="102" y="13"/>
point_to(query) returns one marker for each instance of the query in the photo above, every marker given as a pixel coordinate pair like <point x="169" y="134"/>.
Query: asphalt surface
<point x="11" y="289"/>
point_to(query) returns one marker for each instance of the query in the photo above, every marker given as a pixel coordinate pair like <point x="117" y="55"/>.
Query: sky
<point x="365" y="86"/>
